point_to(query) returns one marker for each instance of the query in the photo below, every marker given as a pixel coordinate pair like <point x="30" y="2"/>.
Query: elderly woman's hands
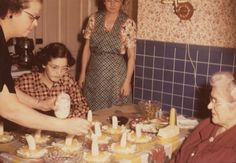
<point x="77" y="126"/>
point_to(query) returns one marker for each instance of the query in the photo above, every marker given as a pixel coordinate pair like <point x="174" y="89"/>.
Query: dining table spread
<point x="149" y="152"/>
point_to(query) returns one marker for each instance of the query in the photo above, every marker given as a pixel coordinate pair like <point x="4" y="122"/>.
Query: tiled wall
<point x="164" y="72"/>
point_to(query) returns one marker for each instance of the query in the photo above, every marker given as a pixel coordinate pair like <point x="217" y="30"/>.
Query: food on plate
<point x="31" y="151"/>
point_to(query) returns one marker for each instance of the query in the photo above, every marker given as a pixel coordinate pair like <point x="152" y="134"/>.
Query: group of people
<point x="105" y="79"/>
<point x="105" y="75"/>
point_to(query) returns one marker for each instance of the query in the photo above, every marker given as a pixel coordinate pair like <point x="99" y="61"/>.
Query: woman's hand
<point x="47" y="105"/>
<point x="81" y="80"/>
<point x="77" y="126"/>
<point x="125" y="88"/>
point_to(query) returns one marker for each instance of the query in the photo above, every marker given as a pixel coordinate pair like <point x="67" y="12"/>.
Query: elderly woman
<point x="17" y="19"/>
<point x="40" y="89"/>
<point x="110" y="34"/>
<point x="214" y="139"/>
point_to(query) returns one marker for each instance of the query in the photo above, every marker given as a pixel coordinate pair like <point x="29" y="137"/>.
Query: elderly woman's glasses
<point x="32" y="17"/>
<point x="63" y="69"/>
<point x="215" y="102"/>
<point x="116" y="1"/>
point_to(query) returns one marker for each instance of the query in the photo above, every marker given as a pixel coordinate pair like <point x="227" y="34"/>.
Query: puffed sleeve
<point x="128" y="33"/>
<point x="90" y="27"/>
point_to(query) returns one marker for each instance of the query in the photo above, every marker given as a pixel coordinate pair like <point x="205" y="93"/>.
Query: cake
<point x="62" y="105"/>
<point x="137" y="136"/>
<point x="6" y="137"/>
<point x="25" y="152"/>
<point x="94" y="156"/>
<point x="31" y="151"/>
<point x="69" y="145"/>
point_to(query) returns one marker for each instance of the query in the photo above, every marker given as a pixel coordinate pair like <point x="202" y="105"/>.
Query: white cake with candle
<point x="123" y="147"/>
<point x="41" y="138"/>
<point x="172" y="130"/>
<point x="96" y="156"/>
<point x="69" y="145"/>
<point x="31" y="151"/>
<point x="138" y="136"/>
<point x="101" y="138"/>
<point x="5" y="137"/>
<point x="115" y="128"/>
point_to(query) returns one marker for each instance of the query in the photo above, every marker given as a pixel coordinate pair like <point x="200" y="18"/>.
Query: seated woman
<point x="214" y="140"/>
<point x="40" y="89"/>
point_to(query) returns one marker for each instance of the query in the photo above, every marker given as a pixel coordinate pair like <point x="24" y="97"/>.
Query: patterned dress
<point x="107" y="68"/>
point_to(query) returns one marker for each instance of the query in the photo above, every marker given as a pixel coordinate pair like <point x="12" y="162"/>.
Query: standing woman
<point x="110" y="34"/>
<point x="17" y="19"/>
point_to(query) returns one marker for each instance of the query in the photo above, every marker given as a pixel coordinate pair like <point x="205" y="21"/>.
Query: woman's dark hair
<point x="53" y="51"/>
<point x="14" y="6"/>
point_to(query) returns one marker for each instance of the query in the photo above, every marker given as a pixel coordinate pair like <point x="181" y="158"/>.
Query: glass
<point x="214" y="101"/>
<point x="150" y="108"/>
<point x="64" y="69"/>
<point x="115" y="1"/>
<point x="32" y="17"/>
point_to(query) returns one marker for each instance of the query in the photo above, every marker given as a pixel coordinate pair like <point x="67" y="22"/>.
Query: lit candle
<point x="114" y="122"/>
<point x="172" y="120"/>
<point x="31" y="142"/>
<point x="123" y="140"/>
<point x="1" y="128"/>
<point x="97" y="129"/>
<point x="37" y="134"/>
<point x="95" y="149"/>
<point x="69" y="139"/>
<point x="90" y="116"/>
<point x="138" y="128"/>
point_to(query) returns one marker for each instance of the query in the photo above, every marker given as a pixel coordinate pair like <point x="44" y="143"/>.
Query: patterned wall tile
<point x="167" y="74"/>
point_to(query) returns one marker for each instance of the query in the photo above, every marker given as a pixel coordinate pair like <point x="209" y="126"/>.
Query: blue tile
<point x="158" y="62"/>
<point x="156" y="96"/>
<point x="215" y="56"/>
<point x="160" y="49"/>
<point x="169" y="51"/>
<point x="228" y="56"/>
<point x="166" y="99"/>
<point x="177" y="101"/>
<point x="147" y="84"/>
<point x="147" y="94"/>
<point x="138" y="93"/>
<point x="139" y="60"/>
<point x="140" y="47"/>
<point x="178" y="89"/>
<point x="138" y="71"/>
<point x="189" y="67"/>
<point x="203" y="53"/>
<point x="148" y="72"/>
<point x="201" y="80"/>
<point x="188" y="91"/>
<point x="226" y="68"/>
<point x="168" y="76"/>
<point x="180" y="52"/>
<point x="169" y="64"/>
<point x="202" y="68"/>
<point x="138" y="83"/>
<point x="149" y="61"/>
<point x="179" y="65"/>
<point x="157" y="86"/>
<point x="187" y="112"/>
<point x="166" y="107"/>
<point x="178" y="77"/>
<point x="213" y="69"/>
<point x="158" y="74"/>
<point x="189" y="79"/>
<point x="149" y="49"/>
<point x="167" y="88"/>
